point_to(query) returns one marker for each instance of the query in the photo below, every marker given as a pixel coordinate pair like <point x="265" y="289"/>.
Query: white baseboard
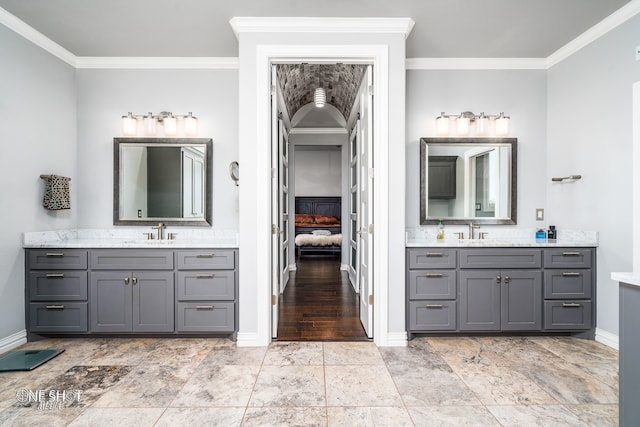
<point x="607" y="338"/>
<point x="13" y="341"/>
<point x="396" y="339"/>
<point x="344" y="267"/>
<point x="249" y="339"/>
<point x="293" y="267"/>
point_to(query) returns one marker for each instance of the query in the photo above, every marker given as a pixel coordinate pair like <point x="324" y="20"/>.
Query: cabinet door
<point x="479" y="300"/>
<point x="111" y="301"/>
<point x="153" y="301"/>
<point x="521" y="296"/>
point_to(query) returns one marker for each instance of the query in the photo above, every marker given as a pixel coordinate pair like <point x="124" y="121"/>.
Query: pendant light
<point x="319" y="95"/>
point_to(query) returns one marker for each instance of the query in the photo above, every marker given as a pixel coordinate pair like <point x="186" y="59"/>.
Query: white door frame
<point x="636" y="175"/>
<point x="378" y="56"/>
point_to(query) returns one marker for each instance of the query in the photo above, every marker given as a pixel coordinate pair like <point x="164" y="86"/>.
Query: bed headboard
<point x="319" y="206"/>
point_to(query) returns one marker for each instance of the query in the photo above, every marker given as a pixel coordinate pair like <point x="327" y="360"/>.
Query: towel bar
<point x="49" y="176"/>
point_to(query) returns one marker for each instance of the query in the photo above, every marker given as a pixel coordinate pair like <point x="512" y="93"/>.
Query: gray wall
<point x="38" y="136"/>
<point x="590" y="133"/>
<point x="318" y="172"/>
<point x="520" y="94"/>
<point x="105" y="95"/>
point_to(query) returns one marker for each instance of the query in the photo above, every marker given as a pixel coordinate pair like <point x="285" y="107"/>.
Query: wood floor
<point x="319" y="303"/>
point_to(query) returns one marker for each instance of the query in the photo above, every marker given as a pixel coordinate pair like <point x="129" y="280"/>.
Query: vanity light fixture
<point x="485" y="124"/>
<point x="165" y="118"/>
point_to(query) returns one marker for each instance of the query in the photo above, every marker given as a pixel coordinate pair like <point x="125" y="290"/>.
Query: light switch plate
<point x="637" y="53"/>
<point x="539" y="214"/>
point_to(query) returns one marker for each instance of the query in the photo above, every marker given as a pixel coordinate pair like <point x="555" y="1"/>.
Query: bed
<point x="317" y="225"/>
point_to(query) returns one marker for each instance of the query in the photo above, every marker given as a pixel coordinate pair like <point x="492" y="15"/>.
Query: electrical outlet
<point x="539" y="214"/>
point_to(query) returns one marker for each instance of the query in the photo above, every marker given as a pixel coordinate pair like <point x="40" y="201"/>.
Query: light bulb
<point x="319" y="97"/>
<point x="170" y="125"/>
<point x="190" y="125"/>
<point x="462" y="125"/>
<point x="129" y="125"/>
<point x="442" y="125"/>
<point x="482" y="125"/>
<point x="502" y="125"/>
<point x="150" y="125"/>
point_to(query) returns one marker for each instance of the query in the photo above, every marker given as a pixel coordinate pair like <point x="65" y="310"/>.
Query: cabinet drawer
<point x="58" y="317"/>
<point x="131" y="259"/>
<point x="58" y="286"/>
<point x="433" y="258"/>
<point x="568" y="315"/>
<point x="567" y="258"/>
<point x="206" y="260"/>
<point x="206" y="285"/>
<point x="500" y="258"/>
<point x="432" y="315"/>
<point x="433" y="284"/>
<point x="57" y="259"/>
<point x="563" y="284"/>
<point x="206" y="317"/>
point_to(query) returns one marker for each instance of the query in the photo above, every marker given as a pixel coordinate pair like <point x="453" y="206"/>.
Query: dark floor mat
<point x="26" y="360"/>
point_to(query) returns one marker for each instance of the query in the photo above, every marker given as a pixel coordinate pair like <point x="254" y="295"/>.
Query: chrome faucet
<point x="471" y="228"/>
<point x="160" y="228"/>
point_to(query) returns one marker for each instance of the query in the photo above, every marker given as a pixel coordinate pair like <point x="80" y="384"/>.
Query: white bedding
<point x="313" y="240"/>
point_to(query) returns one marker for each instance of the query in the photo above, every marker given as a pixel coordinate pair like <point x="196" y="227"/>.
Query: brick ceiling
<point x="340" y="82"/>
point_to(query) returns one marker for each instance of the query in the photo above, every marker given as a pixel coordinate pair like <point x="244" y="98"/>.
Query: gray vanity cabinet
<point x="500" y="289"/>
<point x="508" y="299"/>
<point x="494" y="300"/>
<point x="432" y="282"/>
<point x="125" y="291"/>
<point x="140" y="301"/>
<point x="56" y="290"/>
<point x="629" y="355"/>
<point x="568" y="288"/>
<point x="132" y="301"/>
<point x="206" y="291"/>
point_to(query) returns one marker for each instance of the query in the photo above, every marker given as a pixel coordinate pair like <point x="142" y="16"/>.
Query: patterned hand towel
<point x="56" y="193"/>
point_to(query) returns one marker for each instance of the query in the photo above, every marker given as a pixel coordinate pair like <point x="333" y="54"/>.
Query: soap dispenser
<point x="440" y="230"/>
<point x="552" y="233"/>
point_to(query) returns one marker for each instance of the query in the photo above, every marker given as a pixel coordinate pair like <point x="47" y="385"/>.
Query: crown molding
<point x="321" y="25"/>
<point x="206" y="63"/>
<point x="317" y="131"/>
<point x="617" y="18"/>
<point x="476" y="64"/>
<point x="22" y="28"/>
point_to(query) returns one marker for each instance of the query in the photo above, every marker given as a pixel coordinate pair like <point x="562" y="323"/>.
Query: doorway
<point x="328" y="297"/>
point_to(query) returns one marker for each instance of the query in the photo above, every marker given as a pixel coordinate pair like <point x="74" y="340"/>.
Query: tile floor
<point x="436" y="381"/>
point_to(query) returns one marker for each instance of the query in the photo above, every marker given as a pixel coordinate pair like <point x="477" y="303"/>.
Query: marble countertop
<point x="513" y="237"/>
<point x="496" y="243"/>
<point x="631" y="277"/>
<point x="129" y="238"/>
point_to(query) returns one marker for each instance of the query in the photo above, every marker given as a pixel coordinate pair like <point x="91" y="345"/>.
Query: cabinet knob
<point x="126" y="280"/>
<point x="135" y="280"/>
<point x="498" y="279"/>
<point x="506" y="279"/>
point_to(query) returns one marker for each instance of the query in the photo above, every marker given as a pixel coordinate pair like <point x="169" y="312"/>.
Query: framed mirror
<point x="465" y="180"/>
<point x="164" y="180"/>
